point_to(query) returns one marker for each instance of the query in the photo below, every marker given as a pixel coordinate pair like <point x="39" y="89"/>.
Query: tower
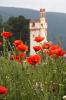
<point x="38" y="27"/>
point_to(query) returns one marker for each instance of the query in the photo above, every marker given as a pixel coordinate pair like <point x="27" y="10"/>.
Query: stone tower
<point x="38" y="27"/>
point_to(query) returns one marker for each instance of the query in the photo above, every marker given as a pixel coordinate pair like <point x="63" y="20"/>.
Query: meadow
<point x="41" y="76"/>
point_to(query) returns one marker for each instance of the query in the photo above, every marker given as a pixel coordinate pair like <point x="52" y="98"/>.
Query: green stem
<point x="4" y="48"/>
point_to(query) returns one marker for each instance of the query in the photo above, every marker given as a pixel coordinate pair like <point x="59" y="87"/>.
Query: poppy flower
<point x="55" y="51"/>
<point x="22" y="47"/>
<point x="6" y="34"/>
<point x="53" y="47"/>
<point x="39" y="39"/>
<point x="37" y="48"/>
<point x="47" y="45"/>
<point x="3" y="90"/>
<point x="33" y="59"/>
<point x="17" y="57"/>
<point x="21" y="55"/>
<point x="17" y="42"/>
<point x="62" y="53"/>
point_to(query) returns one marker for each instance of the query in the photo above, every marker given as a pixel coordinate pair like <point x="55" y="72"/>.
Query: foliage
<point x="19" y="26"/>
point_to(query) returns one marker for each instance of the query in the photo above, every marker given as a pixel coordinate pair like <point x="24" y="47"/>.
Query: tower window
<point x="33" y="35"/>
<point x="42" y="25"/>
<point x="33" y="24"/>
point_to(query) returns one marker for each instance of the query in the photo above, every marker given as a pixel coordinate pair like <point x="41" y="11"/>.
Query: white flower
<point x="64" y="97"/>
<point x="64" y="55"/>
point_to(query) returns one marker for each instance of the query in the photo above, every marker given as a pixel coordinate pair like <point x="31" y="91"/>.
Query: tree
<point x="19" y="26"/>
<point x="1" y="24"/>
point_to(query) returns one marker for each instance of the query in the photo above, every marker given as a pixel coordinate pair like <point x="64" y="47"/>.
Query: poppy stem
<point x="4" y="51"/>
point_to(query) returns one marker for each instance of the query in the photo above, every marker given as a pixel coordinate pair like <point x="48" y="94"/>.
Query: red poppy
<point x="17" y="57"/>
<point x="55" y="51"/>
<point x="6" y="34"/>
<point x="33" y="59"/>
<point x="47" y="45"/>
<point x="21" y="55"/>
<point x="37" y="48"/>
<point x="53" y="47"/>
<point x="17" y="42"/>
<point x="22" y="47"/>
<point x="3" y="90"/>
<point x="0" y="43"/>
<point x="39" y="39"/>
<point x="62" y="53"/>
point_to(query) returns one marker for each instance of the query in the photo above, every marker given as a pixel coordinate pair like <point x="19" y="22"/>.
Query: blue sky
<point x="49" y="5"/>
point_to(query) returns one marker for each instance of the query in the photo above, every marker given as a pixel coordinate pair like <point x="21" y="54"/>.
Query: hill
<point x="56" y="21"/>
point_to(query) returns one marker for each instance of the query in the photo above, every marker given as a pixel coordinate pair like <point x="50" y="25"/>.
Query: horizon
<point x="31" y="9"/>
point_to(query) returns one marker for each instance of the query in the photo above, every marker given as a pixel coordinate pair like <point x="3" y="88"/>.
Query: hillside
<point x="56" y="21"/>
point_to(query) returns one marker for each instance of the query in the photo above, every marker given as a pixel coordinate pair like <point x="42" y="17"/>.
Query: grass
<point x="40" y="82"/>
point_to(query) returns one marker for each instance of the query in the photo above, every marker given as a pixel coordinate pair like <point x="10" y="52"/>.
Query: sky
<point x="49" y="5"/>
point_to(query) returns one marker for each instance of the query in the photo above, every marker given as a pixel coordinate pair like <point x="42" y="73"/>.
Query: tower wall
<point x="33" y="34"/>
<point x="38" y="27"/>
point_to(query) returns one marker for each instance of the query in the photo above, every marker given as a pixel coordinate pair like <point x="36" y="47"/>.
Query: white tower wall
<point x="33" y="34"/>
<point x="38" y="27"/>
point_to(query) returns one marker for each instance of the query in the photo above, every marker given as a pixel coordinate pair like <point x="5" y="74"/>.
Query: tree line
<point x="19" y="26"/>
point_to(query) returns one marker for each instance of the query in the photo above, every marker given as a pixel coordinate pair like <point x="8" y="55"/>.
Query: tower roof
<point x="37" y="20"/>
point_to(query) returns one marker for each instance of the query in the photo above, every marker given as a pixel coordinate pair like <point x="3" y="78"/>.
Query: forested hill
<point x="56" y="21"/>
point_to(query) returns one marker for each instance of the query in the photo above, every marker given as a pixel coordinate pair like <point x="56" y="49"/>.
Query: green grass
<point x="24" y="82"/>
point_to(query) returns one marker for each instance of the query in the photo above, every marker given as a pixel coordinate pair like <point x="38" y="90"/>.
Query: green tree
<point x="1" y="24"/>
<point x="19" y="26"/>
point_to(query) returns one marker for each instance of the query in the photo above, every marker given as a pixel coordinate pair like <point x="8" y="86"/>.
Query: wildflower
<point x="3" y="90"/>
<point x="17" y="57"/>
<point x="62" y="53"/>
<point x="6" y="34"/>
<point x="55" y="49"/>
<point x="39" y="39"/>
<point x="17" y="42"/>
<point x="21" y="55"/>
<point x="33" y="59"/>
<point x="64" y="97"/>
<point x="47" y="45"/>
<point x="22" y="47"/>
<point x="37" y="48"/>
